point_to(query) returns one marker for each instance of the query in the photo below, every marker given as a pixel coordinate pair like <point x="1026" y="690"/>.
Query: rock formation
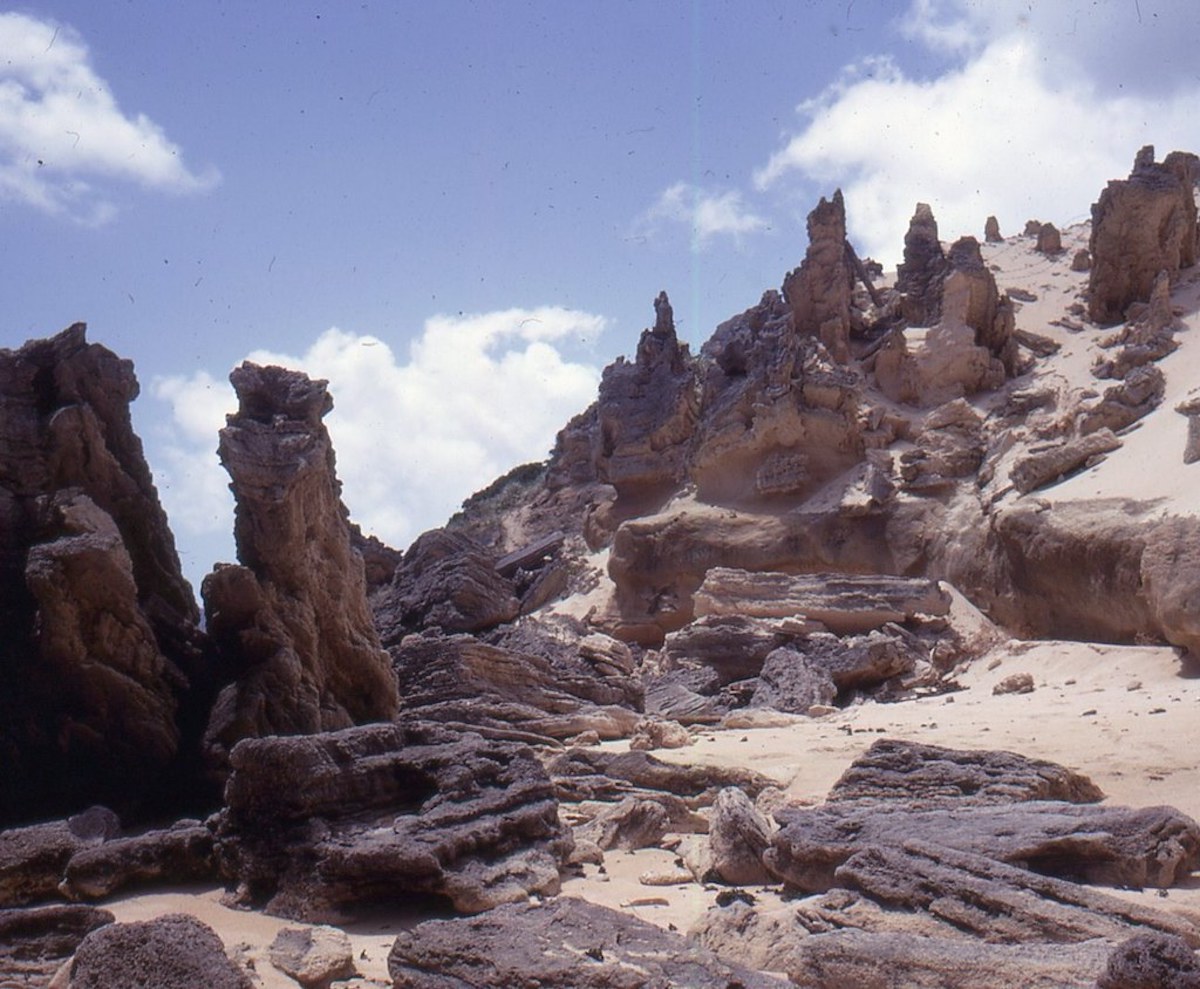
<point x="1141" y="226"/>
<point x="991" y="231"/>
<point x="36" y="942"/>
<point x="105" y="674"/>
<point x="315" y="826"/>
<point x="291" y="621"/>
<point x="920" y="277"/>
<point x="818" y="292"/>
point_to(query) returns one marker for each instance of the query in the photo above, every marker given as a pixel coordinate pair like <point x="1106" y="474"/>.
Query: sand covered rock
<point x="320" y="825"/>
<point x="292" y="619"/>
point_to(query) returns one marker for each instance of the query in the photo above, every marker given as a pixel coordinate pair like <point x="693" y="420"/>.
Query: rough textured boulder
<point x="950" y="446"/>
<point x="1155" y="846"/>
<point x="292" y="620"/>
<point x="445" y="580"/>
<point x="539" y="685"/>
<point x="315" y="826"/>
<point x="34" y="858"/>
<point x="1150" y="961"/>
<point x="892" y="769"/>
<point x="182" y="853"/>
<point x="36" y="941"/>
<point x="1042" y="466"/>
<point x="1141" y="226"/>
<point x="563" y="944"/>
<point x="639" y="822"/>
<point x="105" y="672"/>
<point x="818" y="292"/>
<point x="737" y="837"/>
<point x="175" y="951"/>
<point x="313" y="956"/>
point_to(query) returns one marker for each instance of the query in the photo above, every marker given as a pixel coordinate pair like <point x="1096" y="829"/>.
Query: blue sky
<point x="459" y="212"/>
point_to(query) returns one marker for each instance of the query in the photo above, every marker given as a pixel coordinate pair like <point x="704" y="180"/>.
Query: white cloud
<point x="61" y="129"/>
<point x="705" y="214"/>
<point x="477" y="395"/>
<point x="1014" y="128"/>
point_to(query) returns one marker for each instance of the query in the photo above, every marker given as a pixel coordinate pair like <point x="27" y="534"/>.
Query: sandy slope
<point x="1123" y="715"/>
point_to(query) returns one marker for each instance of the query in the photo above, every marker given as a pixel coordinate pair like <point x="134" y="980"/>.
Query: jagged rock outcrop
<point x="1141" y="226"/>
<point x="1148" y="336"/>
<point x="991" y="231"/>
<point x="737" y="837"/>
<point x="1139" y="394"/>
<point x="818" y="292"/>
<point x="175" y="951"/>
<point x="1042" y="465"/>
<point x="292" y="619"/>
<point x="318" y="826"/>
<point x="35" y="942"/>
<point x="563" y="944"/>
<point x="919" y="278"/>
<point x="105" y="675"/>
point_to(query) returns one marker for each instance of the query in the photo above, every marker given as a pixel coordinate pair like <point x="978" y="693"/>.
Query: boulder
<point x="1049" y="240"/>
<point x="292" y="620"/>
<point x="562" y="944"/>
<point x="1139" y="394"/>
<point x="106" y="671"/>
<point x="182" y="853"/>
<point x="313" y="956"/>
<point x="175" y="951"/>
<point x="896" y="770"/>
<point x="638" y="822"/>
<point x="792" y="683"/>
<point x="35" y="942"/>
<point x="991" y="231"/>
<point x="1150" y="961"/>
<point x="1044" y="465"/>
<point x="659" y="733"/>
<point x="737" y="836"/>
<point x="317" y="826"/>
<point x="1141" y="226"/>
<point x="732" y="646"/>
<point x="1155" y="846"/>
<point x="34" y="858"/>
<point x="446" y="580"/>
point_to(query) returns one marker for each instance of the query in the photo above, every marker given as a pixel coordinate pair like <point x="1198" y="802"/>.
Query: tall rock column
<point x="291" y="621"/>
<point x="819" y="291"/>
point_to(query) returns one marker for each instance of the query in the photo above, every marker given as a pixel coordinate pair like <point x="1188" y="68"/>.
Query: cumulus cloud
<point x="1019" y="125"/>
<point x="62" y="134"/>
<point x="706" y="214"/>
<point x="477" y="395"/>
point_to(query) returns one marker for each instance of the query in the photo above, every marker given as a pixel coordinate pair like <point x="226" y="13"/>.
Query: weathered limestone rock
<point x="659" y="733"/>
<point x="737" y="837"/>
<point x="1191" y="409"/>
<point x="792" y="683"/>
<point x="34" y="858"/>
<point x="446" y="580"/>
<point x="1016" y="683"/>
<point x="1082" y="261"/>
<point x="313" y="956"/>
<point x="175" y="951"/>
<point x="1141" y="226"/>
<point x="592" y="774"/>
<point x="647" y="411"/>
<point x="104" y="662"/>
<point x="949" y="446"/>
<point x="880" y="961"/>
<point x="1148" y="336"/>
<point x="818" y="292"/>
<point x="553" y="690"/>
<point x="1124" y="404"/>
<point x="733" y="646"/>
<point x="1042" y="466"/>
<point x="1156" y="846"/>
<point x="563" y="944"/>
<point x="1049" y="240"/>
<point x="35" y="942"/>
<point x="892" y="769"/>
<point x="844" y="603"/>
<point x="991" y="231"/>
<point x="920" y="277"/>
<point x="638" y="822"/>
<point x="182" y="853"/>
<point x="318" y="825"/>
<point x="292" y="619"/>
<point x="1149" y="961"/>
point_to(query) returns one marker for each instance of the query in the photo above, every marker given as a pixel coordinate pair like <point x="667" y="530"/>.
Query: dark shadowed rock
<point x="105" y="674"/>
<point x="175" y="951"/>
<point x="1151" y="961"/>
<point x="1141" y="226"/>
<point x="792" y="683"/>
<point x="1049" y="240"/>
<point x="319" y="825"/>
<point x="36" y="941"/>
<point x="892" y="769"/>
<point x="292" y="619"/>
<point x="920" y="276"/>
<point x="563" y="944"/>
<point x="34" y="858"/>
<point x="446" y="580"/>
<point x="1155" y="846"/>
<point x="180" y="854"/>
